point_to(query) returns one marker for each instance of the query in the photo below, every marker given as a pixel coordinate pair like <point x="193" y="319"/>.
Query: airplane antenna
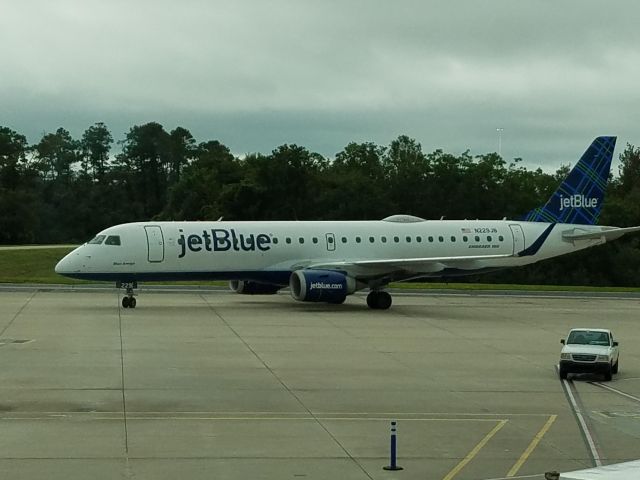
<point x="220" y="219"/>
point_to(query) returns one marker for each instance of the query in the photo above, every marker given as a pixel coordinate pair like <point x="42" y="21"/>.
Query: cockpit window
<point x="113" y="240"/>
<point x="97" y="240"/>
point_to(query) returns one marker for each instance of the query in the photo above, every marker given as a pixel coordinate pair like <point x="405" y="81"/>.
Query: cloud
<point x="257" y="74"/>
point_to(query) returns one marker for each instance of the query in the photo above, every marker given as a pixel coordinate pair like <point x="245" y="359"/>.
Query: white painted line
<point x="583" y="425"/>
<point x="615" y="390"/>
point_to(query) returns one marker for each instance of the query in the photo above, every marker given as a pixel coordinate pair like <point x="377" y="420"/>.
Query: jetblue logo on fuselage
<point x="577" y="201"/>
<point x="222" y="240"/>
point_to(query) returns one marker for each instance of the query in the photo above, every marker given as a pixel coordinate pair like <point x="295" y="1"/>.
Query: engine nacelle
<point x="321" y="286"/>
<point x="253" y="288"/>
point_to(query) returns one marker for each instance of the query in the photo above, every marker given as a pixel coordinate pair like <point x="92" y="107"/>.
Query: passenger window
<point x="488" y="238"/>
<point x="465" y="239"/>
<point x="301" y="240"/>
<point x="113" y="240"/>
<point x="430" y="239"/>
<point x="384" y="239"/>
<point x="408" y="239"/>
<point x="344" y="239"/>
<point x="477" y="238"/>
<point x="315" y="239"/>
<point x="418" y="239"/>
<point x="330" y="239"/>
<point x="96" y="240"/>
<point x="441" y="239"/>
<point x="371" y="239"/>
<point x="501" y="238"/>
<point x="453" y="239"/>
<point x="275" y="240"/>
<point x="396" y="239"/>
<point x="288" y="240"/>
<point x="358" y="239"/>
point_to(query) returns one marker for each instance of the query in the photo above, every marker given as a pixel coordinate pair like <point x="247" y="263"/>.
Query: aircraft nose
<point x="62" y="266"/>
<point x="68" y="264"/>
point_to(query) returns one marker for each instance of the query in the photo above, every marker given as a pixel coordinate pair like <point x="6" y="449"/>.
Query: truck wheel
<point x="607" y="374"/>
<point x="563" y="373"/>
<point x="615" y="367"/>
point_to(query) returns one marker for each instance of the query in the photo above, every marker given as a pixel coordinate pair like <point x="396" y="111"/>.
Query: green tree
<point x="142" y="167"/>
<point x="197" y="194"/>
<point x="96" y="145"/>
<point x="18" y="190"/>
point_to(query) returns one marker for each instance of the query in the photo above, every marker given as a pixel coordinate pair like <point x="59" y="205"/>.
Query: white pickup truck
<point x="589" y="350"/>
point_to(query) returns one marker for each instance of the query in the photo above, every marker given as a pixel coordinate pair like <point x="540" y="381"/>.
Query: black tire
<point x="563" y="373"/>
<point x="125" y="302"/>
<point x="372" y="300"/>
<point x="338" y="301"/>
<point x="132" y="302"/>
<point x="384" y="300"/>
<point x="607" y="374"/>
<point x="614" y="369"/>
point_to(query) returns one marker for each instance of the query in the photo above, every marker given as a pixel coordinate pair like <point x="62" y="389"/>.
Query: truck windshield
<point x="585" y="337"/>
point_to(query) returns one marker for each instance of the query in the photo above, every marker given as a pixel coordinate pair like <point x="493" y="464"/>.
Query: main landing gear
<point x="379" y="300"/>
<point x="128" y="301"/>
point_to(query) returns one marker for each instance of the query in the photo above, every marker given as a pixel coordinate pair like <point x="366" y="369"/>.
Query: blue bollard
<point x="392" y="463"/>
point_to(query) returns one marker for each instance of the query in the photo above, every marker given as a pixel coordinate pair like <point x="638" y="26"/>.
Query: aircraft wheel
<point x="338" y="301"/>
<point x="384" y="300"/>
<point x="132" y="302"/>
<point x="379" y="300"/>
<point x="125" y="302"/>
<point x="372" y="300"/>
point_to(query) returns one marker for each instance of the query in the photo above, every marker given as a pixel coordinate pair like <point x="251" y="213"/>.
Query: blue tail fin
<point x="579" y="198"/>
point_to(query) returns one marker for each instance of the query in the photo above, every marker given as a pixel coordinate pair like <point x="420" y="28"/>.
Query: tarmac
<point x="202" y="384"/>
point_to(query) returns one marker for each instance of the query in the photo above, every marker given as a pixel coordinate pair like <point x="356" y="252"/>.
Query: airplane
<point x="616" y="471"/>
<point x="325" y="261"/>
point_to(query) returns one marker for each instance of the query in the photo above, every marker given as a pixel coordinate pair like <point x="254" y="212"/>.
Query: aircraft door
<point x="518" y="238"/>
<point x="331" y="242"/>
<point x="155" y="243"/>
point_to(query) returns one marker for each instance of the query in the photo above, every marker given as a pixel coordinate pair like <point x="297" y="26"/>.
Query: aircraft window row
<point x="383" y="239"/>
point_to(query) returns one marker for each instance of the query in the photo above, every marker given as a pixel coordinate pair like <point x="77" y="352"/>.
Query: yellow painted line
<point x="471" y="455"/>
<point x="534" y="443"/>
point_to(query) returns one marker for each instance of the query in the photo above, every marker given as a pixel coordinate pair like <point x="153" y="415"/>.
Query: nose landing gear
<point x="128" y="301"/>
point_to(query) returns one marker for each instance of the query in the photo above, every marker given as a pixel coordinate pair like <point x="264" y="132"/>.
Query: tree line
<point x="65" y="189"/>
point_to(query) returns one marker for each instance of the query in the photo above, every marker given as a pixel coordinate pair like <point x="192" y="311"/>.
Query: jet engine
<point x="321" y="286"/>
<point x="246" y="287"/>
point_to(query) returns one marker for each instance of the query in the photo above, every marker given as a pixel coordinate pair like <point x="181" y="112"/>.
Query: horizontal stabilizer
<point x="607" y="233"/>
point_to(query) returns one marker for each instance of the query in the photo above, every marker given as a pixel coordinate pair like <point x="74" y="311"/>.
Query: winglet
<point x="580" y="196"/>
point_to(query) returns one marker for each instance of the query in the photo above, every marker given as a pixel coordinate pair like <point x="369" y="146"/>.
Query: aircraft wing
<point x="408" y="266"/>
<point x="616" y="471"/>
<point x="607" y="234"/>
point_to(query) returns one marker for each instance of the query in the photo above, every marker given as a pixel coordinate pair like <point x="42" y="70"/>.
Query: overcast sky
<point x="257" y="74"/>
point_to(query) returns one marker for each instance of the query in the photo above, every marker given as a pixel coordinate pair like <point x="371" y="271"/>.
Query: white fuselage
<point x="270" y="251"/>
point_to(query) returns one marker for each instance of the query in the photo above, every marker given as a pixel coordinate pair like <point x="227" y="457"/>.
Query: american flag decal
<point x="466" y="230"/>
